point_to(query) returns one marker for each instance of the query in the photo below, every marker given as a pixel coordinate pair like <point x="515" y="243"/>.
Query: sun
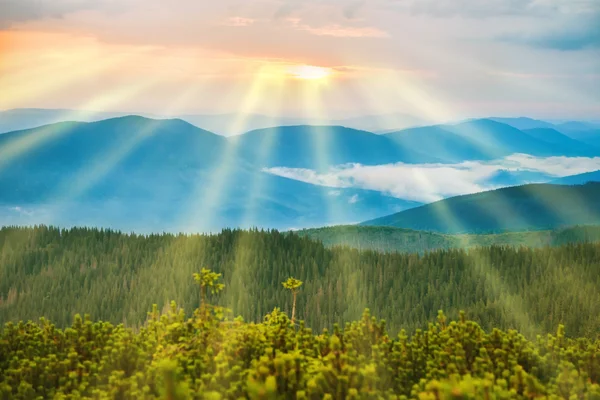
<point x="310" y="72"/>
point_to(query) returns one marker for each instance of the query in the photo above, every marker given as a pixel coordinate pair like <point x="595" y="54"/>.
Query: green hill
<point x="517" y="208"/>
<point x="116" y="278"/>
<point x="389" y="239"/>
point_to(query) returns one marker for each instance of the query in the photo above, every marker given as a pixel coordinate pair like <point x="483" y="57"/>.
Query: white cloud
<point x="20" y="210"/>
<point x="431" y="182"/>
<point x="353" y="199"/>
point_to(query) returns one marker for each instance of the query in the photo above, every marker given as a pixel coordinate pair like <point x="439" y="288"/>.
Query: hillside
<point x="486" y="139"/>
<point x="527" y="207"/>
<point x="134" y="173"/>
<point x="578" y="179"/>
<point x="498" y="140"/>
<point x="523" y="122"/>
<point x="117" y="278"/>
<point x="390" y="239"/>
<point x="439" y="142"/>
<point x="568" y="145"/>
<point x="317" y="147"/>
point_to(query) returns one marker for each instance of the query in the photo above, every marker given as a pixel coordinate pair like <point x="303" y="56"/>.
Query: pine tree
<point x="293" y="285"/>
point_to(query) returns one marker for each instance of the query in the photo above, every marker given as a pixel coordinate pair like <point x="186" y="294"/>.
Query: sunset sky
<point x="440" y="59"/>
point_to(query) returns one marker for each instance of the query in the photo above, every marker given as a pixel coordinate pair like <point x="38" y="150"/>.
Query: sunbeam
<point x="208" y="194"/>
<point x="257" y="188"/>
<point x="37" y="137"/>
<point x="27" y="85"/>
<point x="435" y="110"/>
<point x="238" y="295"/>
<point x="100" y="167"/>
<point x="319" y="135"/>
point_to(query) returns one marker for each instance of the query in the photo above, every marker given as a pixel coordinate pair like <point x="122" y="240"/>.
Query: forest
<point x="211" y="356"/>
<point x="116" y="278"/>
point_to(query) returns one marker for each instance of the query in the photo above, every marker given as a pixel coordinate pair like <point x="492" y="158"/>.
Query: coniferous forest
<point x="281" y="316"/>
<point x="114" y="277"/>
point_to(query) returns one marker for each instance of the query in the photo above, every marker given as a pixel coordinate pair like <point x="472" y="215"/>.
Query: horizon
<point x="337" y="118"/>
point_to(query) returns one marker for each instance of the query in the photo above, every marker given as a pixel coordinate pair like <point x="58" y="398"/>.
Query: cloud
<point x="353" y="199"/>
<point x="494" y="8"/>
<point x="239" y="21"/>
<point x="20" y="210"/>
<point x="432" y="182"/>
<point x="337" y="30"/>
<point x="582" y="37"/>
<point x="15" y="11"/>
<point x="574" y="28"/>
<point x="353" y="8"/>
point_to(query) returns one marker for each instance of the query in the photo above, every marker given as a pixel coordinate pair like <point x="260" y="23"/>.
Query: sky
<point x="435" y="59"/>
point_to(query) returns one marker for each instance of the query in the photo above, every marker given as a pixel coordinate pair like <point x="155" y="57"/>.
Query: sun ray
<point x="37" y="137"/>
<point x="24" y="86"/>
<point x="312" y="98"/>
<point x="104" y="163"/>
<point x="202" y="213"/>
<point x="257" y="183"/>
<point x="257" y="189"/>
<point x="432" y="109"/>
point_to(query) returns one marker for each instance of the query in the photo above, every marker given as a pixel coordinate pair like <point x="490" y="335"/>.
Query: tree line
<point x="117" y="277"/>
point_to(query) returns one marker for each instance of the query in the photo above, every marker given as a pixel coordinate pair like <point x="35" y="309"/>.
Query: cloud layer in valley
<point x="432" y="182"/>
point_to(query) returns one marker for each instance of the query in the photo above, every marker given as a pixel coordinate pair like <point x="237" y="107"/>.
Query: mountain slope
<point x="318" y="147"/>
<point x="391" y="239"/>
<point x="498" y="140"/>
<point x="523" y="122"/>
<point x="579" y="179"/>
<point x="439" y="142"/>
<point x="591" y="136"/>
<point x="223" y="124"/>
<point x="527" y="207"/>
<point x="40" y="161"/>
<point x="27" y="118"/>
<point x="381" y="123"/>
<point x="567" y="144"/>
<point x="486" y="139"/>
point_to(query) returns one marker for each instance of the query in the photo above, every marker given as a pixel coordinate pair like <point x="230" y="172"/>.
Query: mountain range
<point x="136" y="173"/>
<point x="227" y="124"/>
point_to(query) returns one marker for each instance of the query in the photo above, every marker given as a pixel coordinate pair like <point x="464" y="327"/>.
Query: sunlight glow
<point x="309" y="72"/>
